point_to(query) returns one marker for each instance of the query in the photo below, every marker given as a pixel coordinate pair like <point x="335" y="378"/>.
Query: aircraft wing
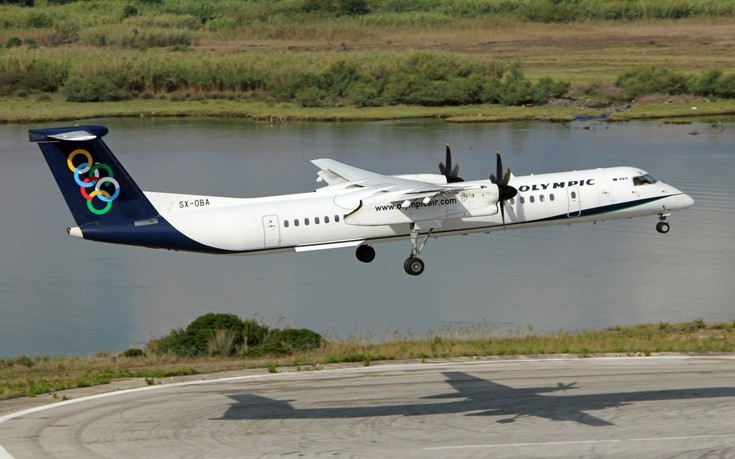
<point x="401" y="189"/>
<point x="334" y="172"/>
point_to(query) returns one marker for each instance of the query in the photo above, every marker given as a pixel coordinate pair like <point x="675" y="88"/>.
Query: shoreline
<point x="30" y="110"/>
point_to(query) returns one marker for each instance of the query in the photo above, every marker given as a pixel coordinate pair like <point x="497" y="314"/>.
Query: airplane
<point x="355" y="208"/>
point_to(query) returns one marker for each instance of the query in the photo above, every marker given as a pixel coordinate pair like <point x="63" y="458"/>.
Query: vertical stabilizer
<point x="94" y="184"/>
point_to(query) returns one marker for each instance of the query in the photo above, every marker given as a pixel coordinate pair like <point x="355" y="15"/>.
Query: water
<point x="60" y="295"/>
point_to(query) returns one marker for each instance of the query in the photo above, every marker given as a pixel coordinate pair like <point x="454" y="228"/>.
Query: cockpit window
<point x="644" y="180"/>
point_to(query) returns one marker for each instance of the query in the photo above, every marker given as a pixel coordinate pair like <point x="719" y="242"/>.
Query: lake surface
<point x="60" y="295"/>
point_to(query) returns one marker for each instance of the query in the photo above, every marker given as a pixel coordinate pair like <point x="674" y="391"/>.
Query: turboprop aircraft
<point x="355" y="208"/>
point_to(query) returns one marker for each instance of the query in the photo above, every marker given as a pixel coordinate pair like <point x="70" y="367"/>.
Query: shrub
<point x="92" y="88"/>
<point x="204" y="330"/>
<point x="134" y="352"/>
<point x="65" y="31"/>
<point x="650" y="80"/>
<point x="225" y="334"/>
<point x="253" y="332"/>
<point x="301" y="339"/>
<point x="353" y="7"/>
<point x="338" y="76"/>
<point x="311" y="97"/>
<point x="39" y="20"/>
<point x="726" y="86"/>
<point x="517" y="90"/>
<point x="546" y="89"/>
<point x="13" y="42"/>
<point x="31" y="79"/>
<point x="363" y="94"/>
<point x="130" y="10"/>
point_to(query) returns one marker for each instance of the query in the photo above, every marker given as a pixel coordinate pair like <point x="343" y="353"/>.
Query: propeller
<point x="505" y="191"/>
<point x="452" y="175"/>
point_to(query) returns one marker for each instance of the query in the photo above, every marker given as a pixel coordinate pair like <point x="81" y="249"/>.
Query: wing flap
<point x="330" y="245"/>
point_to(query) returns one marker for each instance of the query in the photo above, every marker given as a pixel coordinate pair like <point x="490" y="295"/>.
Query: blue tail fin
<point x="104" y="200"/>
<point x="95" y="185"/>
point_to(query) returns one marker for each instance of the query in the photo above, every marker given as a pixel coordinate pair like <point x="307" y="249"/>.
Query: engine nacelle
<point x="384" y="209"/>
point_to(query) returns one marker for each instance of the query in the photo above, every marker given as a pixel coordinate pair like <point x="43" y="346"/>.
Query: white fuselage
<point x="340" y="217"/>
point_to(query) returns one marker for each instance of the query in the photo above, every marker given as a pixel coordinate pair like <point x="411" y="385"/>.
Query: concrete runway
<point x="613" y="407"/>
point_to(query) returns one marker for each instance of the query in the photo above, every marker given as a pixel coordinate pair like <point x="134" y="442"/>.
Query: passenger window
<point x="336" y="218"/>
<point x="326" y="219"/>
<point x="531" y="198"/>
<point x="296" y="222"/>
<point x="573" y="194"/>
<point x="551" y="197"/>
<point x="523" y="200"/>
<point x="541" y="198"/>
<point x="306" y="221"/>
<point x="285" y="223"/>
<point x="316" y="220"/>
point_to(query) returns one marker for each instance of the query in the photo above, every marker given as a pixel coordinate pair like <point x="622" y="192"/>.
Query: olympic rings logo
<point x="93" y="180"/>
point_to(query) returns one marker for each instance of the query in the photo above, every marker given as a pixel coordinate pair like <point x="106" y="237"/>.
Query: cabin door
<point x="271" y="231"/>
<point x="575" y="203"/>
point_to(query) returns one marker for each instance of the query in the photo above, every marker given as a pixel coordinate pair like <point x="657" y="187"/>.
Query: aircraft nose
<point x="683" y="201"/>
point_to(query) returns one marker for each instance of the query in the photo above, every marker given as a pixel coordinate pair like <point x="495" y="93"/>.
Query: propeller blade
<point x="445" y="169"/>
<point x="506" y="177"/>
<point x="452" y="174"/>
<point x="505" y="191"/>
<point x="498" y="164"/>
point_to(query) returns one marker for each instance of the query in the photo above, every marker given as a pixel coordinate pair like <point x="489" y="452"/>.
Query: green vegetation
<point x="311" y="80"/>
<point x="651" y="80"/>
<point x="228" y="335"/>
<point x="332" y="55"/>
<point x="30" y="376"/>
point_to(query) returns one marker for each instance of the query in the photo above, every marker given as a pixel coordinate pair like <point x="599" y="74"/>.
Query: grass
<point x="30" y="376"/>
<point x="36" y="110"/>
<point x="235" y="58"/>
<point x="30" y="110"/>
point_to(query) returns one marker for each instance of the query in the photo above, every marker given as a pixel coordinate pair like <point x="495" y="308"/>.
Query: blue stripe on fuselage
<point x="154" y="233"/>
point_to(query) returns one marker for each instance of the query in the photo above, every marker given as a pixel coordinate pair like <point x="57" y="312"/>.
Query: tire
<point x="365" y="253"/>
<point x="413" y="266"/>
<point x="662" y="227"/>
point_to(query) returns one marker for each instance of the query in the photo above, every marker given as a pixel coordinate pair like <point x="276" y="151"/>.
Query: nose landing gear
<point x="414" y="266"/>
<point x="662" y="226"/>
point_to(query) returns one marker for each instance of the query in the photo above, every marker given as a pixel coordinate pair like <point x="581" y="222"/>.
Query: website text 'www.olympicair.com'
<point x="417" y="204"/>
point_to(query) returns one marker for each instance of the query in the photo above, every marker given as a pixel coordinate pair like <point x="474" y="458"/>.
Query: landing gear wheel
<point x="662" y="227"/>
<point x="414" y="266"/>
<point x="365" y="253"/>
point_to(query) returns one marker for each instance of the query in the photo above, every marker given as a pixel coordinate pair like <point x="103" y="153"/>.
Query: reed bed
<point x="335" y="53"/>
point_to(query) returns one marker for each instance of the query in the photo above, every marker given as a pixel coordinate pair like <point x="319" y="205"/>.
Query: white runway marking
<point x="576" y="442"/>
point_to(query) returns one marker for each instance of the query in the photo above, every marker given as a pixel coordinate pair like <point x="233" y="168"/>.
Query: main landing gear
<point x="365" y="253"/>
<point x="662" y="226"/>
<point x="413" y="264"/>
